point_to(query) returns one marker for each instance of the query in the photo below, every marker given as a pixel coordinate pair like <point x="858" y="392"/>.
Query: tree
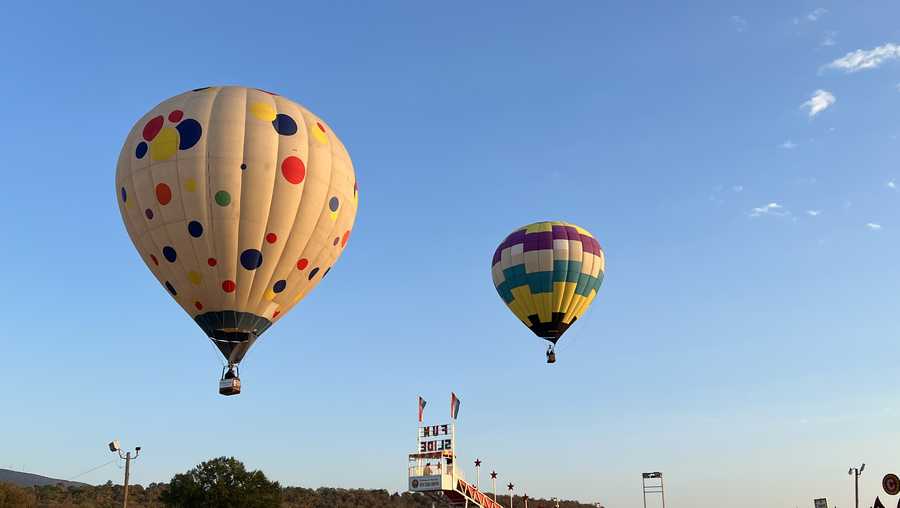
<point x="15" y="497"/>
<point x="221" y="483"/>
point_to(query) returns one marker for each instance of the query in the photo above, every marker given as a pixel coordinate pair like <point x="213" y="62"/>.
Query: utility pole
<point x="510" y="486"/>
<point x="114" y="447"/>
<point x="856" y="472"/>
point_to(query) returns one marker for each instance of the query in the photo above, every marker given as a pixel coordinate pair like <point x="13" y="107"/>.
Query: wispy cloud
<point x="862" y="59"/>
<point x="769" y="209"/>
<point x="891" y="184"/>
<point x="816" y="14"/>
<point x="814" y="213"/>
<point x="873" y="226"/>
<point x="829" y="38"/>
<point x="737" y="188"/>
<point x="788" y="145"/>
<point x="739" y="23"/>
<point x="820" y="101"/>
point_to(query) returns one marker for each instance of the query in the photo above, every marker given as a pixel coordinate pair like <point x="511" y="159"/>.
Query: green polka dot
<point x="223" y="198"/>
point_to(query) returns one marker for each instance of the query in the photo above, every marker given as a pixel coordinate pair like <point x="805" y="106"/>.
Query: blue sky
<point x="735" y="160"/>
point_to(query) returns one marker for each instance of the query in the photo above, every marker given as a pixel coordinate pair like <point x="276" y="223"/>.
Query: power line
<point x="91" y="470"/>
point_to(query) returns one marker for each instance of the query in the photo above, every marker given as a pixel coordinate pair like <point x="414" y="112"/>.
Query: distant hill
<point x="30" y="480"/>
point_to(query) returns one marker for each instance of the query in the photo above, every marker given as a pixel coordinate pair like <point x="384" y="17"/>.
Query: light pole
<point x="114" y="447"/>
<point x="525" y="497"/>
<point x="855" y="472"/>
<point x="477" y="472"/>
<point x="494" y="485"/>
<point x="510" y="487"/>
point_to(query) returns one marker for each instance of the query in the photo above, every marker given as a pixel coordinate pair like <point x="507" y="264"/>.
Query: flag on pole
<point x="421" y="408"/>
<point x="454" y="405"/>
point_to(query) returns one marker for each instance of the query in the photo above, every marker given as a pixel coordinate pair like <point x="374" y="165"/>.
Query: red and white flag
<point x="421" y="408"/>
<point x="454" y="405"/>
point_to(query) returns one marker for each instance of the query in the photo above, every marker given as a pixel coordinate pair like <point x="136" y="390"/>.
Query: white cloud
<point x="814" y="213"/>
<point x="861" y="60"/>
<point x="769" y="209"/>
<point x="737" y="188"/>
<point x="873" y="226"/>
<point x="820" y="101"/>
<point x="740" y="24"/>
<point x="788" y="145"/>
<point x="891" y="185"/>
<point x="828" y="38"/>
<point x="816" y="14"/>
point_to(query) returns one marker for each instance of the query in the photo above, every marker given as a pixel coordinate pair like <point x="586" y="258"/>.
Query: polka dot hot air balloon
<point x="548" y="273"/>
<point x="239" y="201"/>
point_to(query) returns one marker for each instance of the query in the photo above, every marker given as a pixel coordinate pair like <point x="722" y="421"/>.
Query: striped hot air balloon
<point x="239" y="201"/>
<point x="548" y="273"/>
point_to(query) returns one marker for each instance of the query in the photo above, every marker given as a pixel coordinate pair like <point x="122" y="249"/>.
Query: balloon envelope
<point x="548" y="273"/>
<point x="239" y="201"/>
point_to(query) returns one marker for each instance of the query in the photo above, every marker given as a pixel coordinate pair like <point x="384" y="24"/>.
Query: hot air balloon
<point x="548" y="273"/>
<point x="239" y="201"/>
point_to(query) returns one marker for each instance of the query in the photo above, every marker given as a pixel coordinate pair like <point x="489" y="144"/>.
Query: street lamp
<point x="115" y="448"/>
<point x="855" y="472"/>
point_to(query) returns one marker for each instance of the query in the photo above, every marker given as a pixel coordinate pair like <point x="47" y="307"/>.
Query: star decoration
<point x="477" y="463"/>
<point x="510" y="486"/>
<point x="493" y="475"/>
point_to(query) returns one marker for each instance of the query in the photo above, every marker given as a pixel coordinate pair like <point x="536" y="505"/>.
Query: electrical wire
<point x="91" y="470"/>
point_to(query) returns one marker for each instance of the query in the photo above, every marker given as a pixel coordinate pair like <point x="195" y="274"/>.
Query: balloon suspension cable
<point x="216" y="352"/>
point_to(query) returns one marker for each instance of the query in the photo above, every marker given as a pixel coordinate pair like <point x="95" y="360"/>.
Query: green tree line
<point x="224" y="483"/>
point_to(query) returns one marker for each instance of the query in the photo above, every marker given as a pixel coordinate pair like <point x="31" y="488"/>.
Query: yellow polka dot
<point x="194" y="277"/>
<point x="263" y="111"/>
<point x="190" y="185"/>
<point x="319" y="134"/>
<point x="164" y="145"/>
<point x="269" y="295"/>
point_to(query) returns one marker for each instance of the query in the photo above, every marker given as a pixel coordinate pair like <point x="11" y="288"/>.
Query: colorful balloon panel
<point x="548" y="273"/>
<point x="239" y="201"/>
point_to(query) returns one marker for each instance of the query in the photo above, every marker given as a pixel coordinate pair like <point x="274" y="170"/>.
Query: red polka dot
<point x="271" y="238"/>
<point x="345" y="238"/>
<point x="211" y="262"/>
<point x="229" y="286"/>
<point x="163" y="194"/>
<point x="320" y="127"/>
<point x="176" y="115"/>
<point x="155" y="261"/>
<point x="303" y="263"/>
<point x="198" y="305"/>
<point x="152" y="128"/>
<point x="293" y="169"/>
<point x="275" y="314"/>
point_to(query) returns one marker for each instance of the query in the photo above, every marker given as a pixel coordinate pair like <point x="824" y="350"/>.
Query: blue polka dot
<point x="243" y="167"/>
<point x="333" y="204"/>
<point x="200" y="89"/>
<point x="189" y="132"/>
<point x="326" y="272"/>
<point x="169" y="254"/>
<point x="171" y="289"/>
<point x="284" y="125"/>
<point x="124" y="195"/>
<point x="251" y="259"/>
<point x="195" y="229"/>
<point x="141" y="150"/>
<point x="279" y="286"/>
<point x="313" y="272"/>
